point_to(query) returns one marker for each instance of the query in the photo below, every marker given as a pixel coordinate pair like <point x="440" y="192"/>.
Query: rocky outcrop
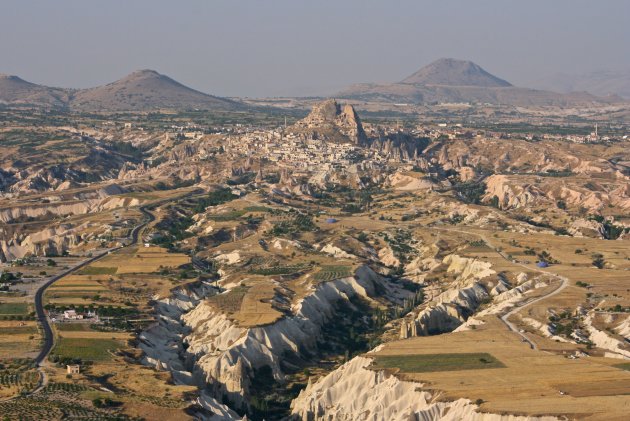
<point x="66" y="208"/>
<point x="453" y="307"/>
<point x="355" y="392"/>
<point x="163" y="347"/>
<point x="51" y="241"/>
<point x="603" y="340"/>
<point x="334" y="122"/>
<point x="202" y="346"/>
<point x="226" y="355"/>
<point x="409" y="182"/>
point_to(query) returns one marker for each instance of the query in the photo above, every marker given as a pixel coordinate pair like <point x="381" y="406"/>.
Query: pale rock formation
<point x="467" y="268"/>
<point x="451" y="310"/>
<point x="387" y="257"/>
<point x="602" y="340"/>
<point x="355" y="393"/>
<point x="409" y="182"/>
<point x="228" y="258"/>
<point x="222" y="355"/>
<point x="332" y="121"/>
<point x="336" y="252"/>
<point x="511" y="195"/>
<point x="67" y="208"/>
<point x="50" y="241"/>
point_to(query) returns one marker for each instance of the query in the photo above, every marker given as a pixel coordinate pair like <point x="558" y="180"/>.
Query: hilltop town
<point x="174" y="255"/>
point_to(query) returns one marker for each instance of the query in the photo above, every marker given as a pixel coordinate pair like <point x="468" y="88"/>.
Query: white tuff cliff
<point x="354" y="392"/>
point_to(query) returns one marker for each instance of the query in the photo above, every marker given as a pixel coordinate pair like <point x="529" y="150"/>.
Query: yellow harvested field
<point x="19" y="339"/>
<point x="90" y="334"/>
<point x="142" y="260"/>
<point x="256" y="309"/>
<point x="532" y="383"/>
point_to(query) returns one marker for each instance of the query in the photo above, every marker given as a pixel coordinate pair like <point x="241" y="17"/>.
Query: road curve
<point x="517" y="307"/>
<point x="39" y="295"/>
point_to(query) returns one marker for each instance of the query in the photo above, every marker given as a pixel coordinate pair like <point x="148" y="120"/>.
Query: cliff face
<point x="354" y="392"/>
<point x="330" y="121"/>
<point x="221" y="356"/>
<point x="226" y="355"/>
<point x="67" y="208"/>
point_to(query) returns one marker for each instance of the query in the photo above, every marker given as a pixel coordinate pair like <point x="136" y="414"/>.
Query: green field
<point x="227" y="216"/>
<point x="18" y="330"/>
<point x="258" y="209"/>
<point x="13" y="308"/>
<point x="97" y="270"/>
<point x="623" y="366"/>
<point x="437" y="362"/>
<point x="73" y="327"/>
<point x="86" y="348"/>
<point x="329" y="273"/>
<point x="277" y="270"/>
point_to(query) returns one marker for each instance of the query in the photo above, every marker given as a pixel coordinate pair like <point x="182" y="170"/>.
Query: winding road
<point x="520" y="306"/>
<point x="49" y="338"/>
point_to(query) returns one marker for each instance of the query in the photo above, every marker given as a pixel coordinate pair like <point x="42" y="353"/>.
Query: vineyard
<point x="229" y="302"/>
<point x="328" y="273"/>
<point x="277" y="270"/>
<point x="17" y="376"/>
<point x="37" y="409"/>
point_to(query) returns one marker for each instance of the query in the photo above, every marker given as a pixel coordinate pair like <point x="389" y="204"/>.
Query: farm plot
<point x="14" y="309"/>
<point x="86" y="349"/>
<point x="256" y="308"/>
<point x="437" y="362"/>
<point x="329" y="273"/>
<point x="78" y="290"/>
<point x="18" y="338"/>
<point x="140" y="260"/>
<point x="529" y="383"/>
<point x="17" y="375"/>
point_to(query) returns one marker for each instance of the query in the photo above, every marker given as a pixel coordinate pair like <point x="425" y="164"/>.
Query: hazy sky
<point x="300" y="47"/>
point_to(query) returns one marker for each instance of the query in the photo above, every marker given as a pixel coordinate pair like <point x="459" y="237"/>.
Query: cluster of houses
<point x="72" y="315"/>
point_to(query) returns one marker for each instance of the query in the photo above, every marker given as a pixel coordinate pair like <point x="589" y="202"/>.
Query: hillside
<point x="457" y="81"/>
<point x="599" y="83"/>
<point x="17" y="91"/>
<point x="143" y="90"/>
<point x="146" y="90"/>
<point x="452" y="72"/>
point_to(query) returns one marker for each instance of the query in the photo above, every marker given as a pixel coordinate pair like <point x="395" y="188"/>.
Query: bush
<point x="598" y="261"/>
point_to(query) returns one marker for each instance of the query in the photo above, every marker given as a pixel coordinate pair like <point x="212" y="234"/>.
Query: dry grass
<point x="18" y="339"/>
<point x="141" y="260"/>
<point x="531" y="380"/>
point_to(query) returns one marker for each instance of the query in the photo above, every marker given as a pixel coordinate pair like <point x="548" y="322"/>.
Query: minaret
<point x="596" y="131"/>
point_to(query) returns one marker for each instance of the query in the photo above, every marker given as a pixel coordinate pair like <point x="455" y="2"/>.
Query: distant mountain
<point x="458" y="81"/>
<point x="452" y="72"/>
<point x="146" y="90"/>
<point x="14" y="90"/>
<point x="143" y="90"/>
<point x="598" y="83"/>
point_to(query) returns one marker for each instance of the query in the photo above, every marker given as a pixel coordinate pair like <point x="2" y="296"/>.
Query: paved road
<point x="521" y="306"/>
<point x="39" y="308"/>
<point x="49" y="340"/>
<point x="516" y="309"/>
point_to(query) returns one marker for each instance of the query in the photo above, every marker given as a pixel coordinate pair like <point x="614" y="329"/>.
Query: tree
<point x="598" y="261"/>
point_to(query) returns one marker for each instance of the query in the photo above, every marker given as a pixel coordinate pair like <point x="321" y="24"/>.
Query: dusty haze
<point x="305" y="48"/>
